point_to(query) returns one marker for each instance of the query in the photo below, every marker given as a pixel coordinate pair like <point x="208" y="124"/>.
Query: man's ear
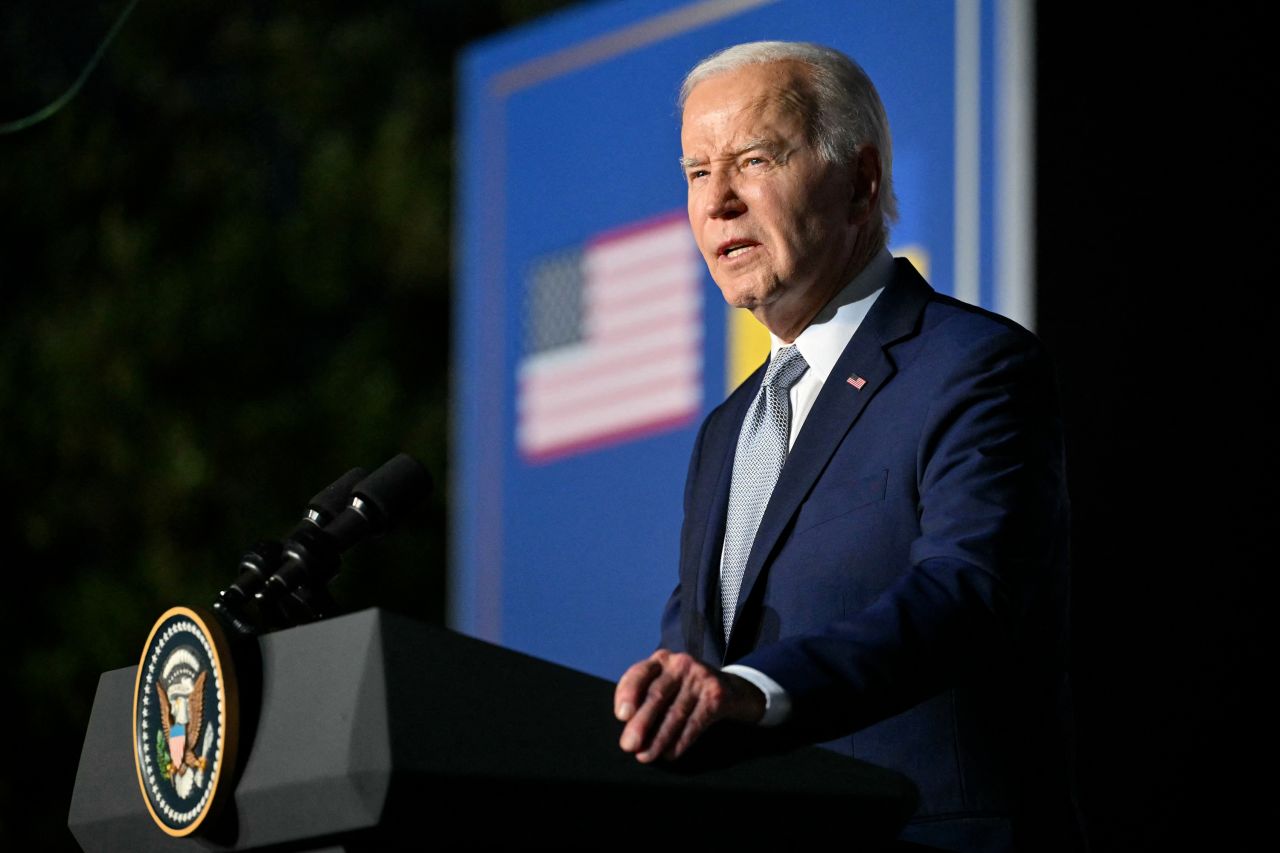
<point x="864" y="175"/>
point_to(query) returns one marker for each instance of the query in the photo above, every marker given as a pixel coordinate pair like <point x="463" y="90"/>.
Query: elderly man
<point x="874" y="540"/>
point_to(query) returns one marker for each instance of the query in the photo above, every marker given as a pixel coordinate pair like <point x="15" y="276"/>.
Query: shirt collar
<point x="826" y="337"/>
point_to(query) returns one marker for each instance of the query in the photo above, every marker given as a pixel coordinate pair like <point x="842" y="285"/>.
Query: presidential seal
<point x="184" y="720"/>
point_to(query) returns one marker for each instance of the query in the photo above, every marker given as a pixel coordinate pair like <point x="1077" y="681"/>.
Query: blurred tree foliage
<point x="225" y="274"/>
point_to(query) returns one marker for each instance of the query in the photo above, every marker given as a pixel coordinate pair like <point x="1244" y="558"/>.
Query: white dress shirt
<point x="821" y="343"/>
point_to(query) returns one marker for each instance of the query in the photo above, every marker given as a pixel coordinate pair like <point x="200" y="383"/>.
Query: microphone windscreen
<point x="397" y="486"/>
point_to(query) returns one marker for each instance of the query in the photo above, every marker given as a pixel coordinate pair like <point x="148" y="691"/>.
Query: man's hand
<point x="670" y="699"/>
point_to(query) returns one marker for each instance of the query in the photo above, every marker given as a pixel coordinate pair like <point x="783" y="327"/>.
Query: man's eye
<point x="697" y="173"/>
<point x="754" y="161"/>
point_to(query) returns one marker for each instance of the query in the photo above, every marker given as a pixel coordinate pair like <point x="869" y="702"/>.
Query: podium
<point x="376" y="732"/>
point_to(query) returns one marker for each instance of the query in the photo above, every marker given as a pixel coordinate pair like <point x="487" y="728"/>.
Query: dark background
<point x="225" y="273"/>
<point x="1154" y="221"/>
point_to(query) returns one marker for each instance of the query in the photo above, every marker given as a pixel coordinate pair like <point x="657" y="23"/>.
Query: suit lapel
<point x="839" y="405"/>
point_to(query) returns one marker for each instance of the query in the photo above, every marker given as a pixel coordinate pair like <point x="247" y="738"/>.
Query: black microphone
<point x="311" y="555"/>
<point x="379" y="500"/>
<point x="264" y="557"/>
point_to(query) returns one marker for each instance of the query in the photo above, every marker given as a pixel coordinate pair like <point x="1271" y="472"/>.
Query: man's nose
<point x="722" y="199"/>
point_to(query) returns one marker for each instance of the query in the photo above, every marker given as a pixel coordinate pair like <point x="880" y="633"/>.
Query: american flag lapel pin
<point x="856" y="381"/>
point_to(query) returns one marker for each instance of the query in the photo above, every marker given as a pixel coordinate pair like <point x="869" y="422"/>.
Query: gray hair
<point x="846" y="110"/>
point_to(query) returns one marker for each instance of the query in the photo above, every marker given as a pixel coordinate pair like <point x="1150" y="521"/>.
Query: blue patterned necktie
<point x="762" y="448"/>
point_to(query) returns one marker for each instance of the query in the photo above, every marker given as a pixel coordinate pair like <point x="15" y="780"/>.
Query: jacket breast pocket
<point x="830" y="500"/>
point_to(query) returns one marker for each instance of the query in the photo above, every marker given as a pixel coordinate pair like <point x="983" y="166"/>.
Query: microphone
<point x="379" y="500"/>
<point x="283" y="583"/>
<point x="260" y="561"/>
<point x="312" y="553"/>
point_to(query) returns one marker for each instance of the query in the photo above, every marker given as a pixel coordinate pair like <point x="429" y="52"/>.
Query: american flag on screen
<point x="613" y="341"/>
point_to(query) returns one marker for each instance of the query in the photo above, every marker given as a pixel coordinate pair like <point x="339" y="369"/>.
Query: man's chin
<point x="740" y="297"/>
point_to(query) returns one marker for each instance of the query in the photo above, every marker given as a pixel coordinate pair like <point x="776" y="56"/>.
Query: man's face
<point x="774" y="222"/>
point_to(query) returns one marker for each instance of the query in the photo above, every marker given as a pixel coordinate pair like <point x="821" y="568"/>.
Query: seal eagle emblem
<point x="183" y="719"/>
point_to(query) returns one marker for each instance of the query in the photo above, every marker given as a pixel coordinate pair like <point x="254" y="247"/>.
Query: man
<point x="875" y="522"/>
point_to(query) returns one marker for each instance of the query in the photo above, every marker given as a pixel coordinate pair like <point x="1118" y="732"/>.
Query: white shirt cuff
<point x="777" y="704"/>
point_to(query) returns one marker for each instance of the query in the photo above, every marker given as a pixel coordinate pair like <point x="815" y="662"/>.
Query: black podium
<point x="380" y="733"/>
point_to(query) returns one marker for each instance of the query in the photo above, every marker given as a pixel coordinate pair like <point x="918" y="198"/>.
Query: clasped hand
<point x="670" y="699"/>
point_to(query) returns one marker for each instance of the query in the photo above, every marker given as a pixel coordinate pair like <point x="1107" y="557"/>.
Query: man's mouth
<point x="733" y="248"/>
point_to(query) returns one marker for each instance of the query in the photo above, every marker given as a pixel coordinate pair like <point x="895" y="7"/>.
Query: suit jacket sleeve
<point x="677" y="624"/>
<point x="980" y="580"/>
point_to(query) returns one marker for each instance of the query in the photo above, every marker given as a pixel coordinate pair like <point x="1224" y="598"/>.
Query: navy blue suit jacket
<point x="908" y="583"/>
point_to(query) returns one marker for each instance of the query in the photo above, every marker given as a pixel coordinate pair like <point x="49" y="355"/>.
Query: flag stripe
<point x="541" y="434"/>
<point x="642" y="265"/>
<point x="610" y="253"/>
<point x="556" y="396"/>
<point x="581" y="360"/>
<point x="624" y="290"/>
<point x="679" y="307"/>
